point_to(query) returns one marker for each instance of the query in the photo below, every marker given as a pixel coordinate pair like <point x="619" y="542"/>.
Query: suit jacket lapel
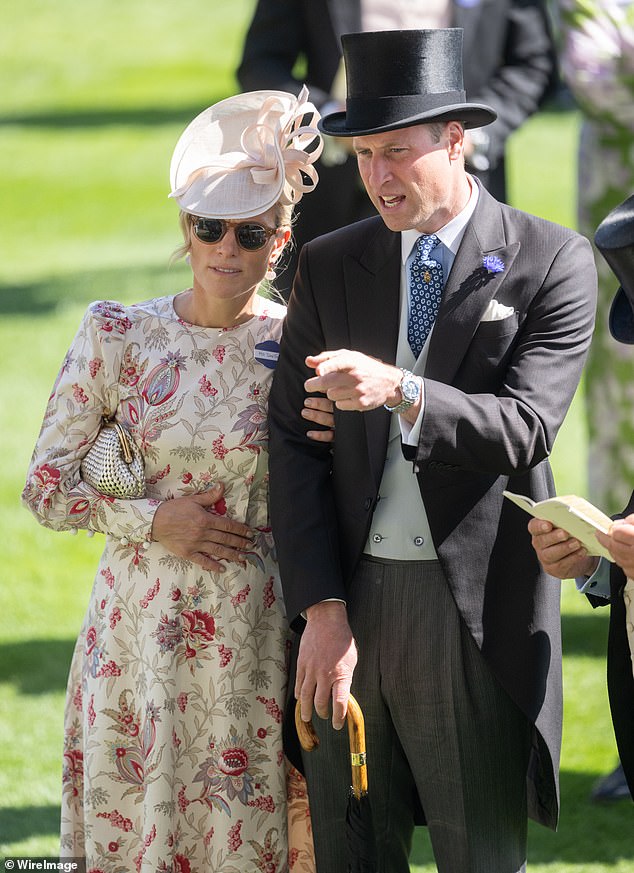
<point x="372" y="287"/>
<point x="469" y="289"/>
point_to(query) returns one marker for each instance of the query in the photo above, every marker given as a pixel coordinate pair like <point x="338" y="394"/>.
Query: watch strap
<point x="405" y="403"/>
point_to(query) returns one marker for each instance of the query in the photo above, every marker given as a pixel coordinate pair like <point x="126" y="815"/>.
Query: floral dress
<point x="597" y="62"/>
<point x="173" y="758"/>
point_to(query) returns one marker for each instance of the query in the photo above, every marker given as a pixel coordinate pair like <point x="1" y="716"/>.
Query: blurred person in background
<point x="596" y="46"/>
<point x="509" y="64"/>
<point x="563" y="556"/>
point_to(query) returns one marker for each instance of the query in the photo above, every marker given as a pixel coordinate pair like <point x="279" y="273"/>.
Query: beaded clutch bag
<point x="114" y="464"/>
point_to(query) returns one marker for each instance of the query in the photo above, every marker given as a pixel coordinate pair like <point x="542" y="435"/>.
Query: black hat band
<point x="362" y="112"/>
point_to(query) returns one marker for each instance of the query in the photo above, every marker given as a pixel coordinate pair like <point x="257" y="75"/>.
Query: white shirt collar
<point x="451" y="234"/>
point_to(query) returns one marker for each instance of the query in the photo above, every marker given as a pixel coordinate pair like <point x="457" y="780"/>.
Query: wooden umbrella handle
<point x="305" y="731"/>
<point x="356" y="738"/>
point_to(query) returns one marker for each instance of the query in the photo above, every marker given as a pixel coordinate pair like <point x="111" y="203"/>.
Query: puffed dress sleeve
<point x="86" y="386"/>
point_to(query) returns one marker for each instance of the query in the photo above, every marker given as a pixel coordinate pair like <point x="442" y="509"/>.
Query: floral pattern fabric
<point x="598" y="65"/>
<point x="173" y="758"/>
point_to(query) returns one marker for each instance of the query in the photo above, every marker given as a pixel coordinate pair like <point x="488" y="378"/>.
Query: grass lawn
<point x="99" y="93"/>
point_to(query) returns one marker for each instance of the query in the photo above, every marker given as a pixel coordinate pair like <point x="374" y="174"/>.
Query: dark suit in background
<point x="620" y="681"/>
<point x="508" y="63"/>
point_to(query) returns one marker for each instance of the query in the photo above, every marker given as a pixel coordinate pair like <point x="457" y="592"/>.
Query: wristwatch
<point x="410" y="392"/>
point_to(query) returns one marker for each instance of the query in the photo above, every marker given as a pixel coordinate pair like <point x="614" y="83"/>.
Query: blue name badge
<point x="267" y="353"/>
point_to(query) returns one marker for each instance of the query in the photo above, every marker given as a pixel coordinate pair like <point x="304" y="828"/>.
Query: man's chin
<point x="393" y="218"/>
<point x="396" y="224"/>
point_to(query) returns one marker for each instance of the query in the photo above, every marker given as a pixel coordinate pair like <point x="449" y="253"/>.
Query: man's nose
<point x="378" y="171"/>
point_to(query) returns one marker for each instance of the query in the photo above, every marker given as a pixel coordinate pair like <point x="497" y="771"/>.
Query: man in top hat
<point x="509" y="62"/>
<point x="450" y="332"/>
<point x="564" y="558"/>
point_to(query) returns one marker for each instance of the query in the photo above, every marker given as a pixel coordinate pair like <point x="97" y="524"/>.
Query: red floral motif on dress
<point x="269" y="597"/>
<point x="269" y="853"/>
<point x="47" y="480"/>
<point x="225" y="655"/>
<point x="112" y="317"/>
<point x="235" y="840"/>
<point x="108" y="575"/>
<point x="198" y="631"/>
<point x="272" y="708"/>
<point x="132" y="369"/>
<point x="73" y="772"/>
<point x="117" y="820"/>
<point x="150" y="594"/>
<point x="162" y="382"/>
<point x="241" y="596"/>
<point x="206" y="388"/>
<point x="218" y="448"/>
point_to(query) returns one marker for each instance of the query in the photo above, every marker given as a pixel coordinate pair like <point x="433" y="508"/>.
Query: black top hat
<point x="614" y="238"/>
<point x="397" y="78"/>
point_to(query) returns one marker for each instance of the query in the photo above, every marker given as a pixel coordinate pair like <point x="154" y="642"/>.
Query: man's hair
<point x="437" y="127"/>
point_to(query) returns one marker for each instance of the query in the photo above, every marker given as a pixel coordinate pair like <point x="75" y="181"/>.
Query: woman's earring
<point x="270" y="273"/>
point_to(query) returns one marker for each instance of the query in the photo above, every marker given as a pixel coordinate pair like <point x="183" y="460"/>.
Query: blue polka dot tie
<point x="425" y="290"/>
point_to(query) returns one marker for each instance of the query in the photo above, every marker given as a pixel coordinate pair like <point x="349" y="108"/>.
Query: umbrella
<point x="628" y="597"/>
<point x="362" y="856"/>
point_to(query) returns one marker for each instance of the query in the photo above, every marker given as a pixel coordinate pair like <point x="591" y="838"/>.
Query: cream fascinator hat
<point x="242" y="155"/>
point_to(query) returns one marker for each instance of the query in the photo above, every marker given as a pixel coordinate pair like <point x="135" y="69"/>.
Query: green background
<point x="94" y="97"/>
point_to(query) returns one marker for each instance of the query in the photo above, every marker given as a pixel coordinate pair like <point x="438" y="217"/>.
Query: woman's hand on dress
<point x="560" y="554"/>
<point x="620" y="543"/>
<point x="189" y="527"/>
<point x="320" y="410"/>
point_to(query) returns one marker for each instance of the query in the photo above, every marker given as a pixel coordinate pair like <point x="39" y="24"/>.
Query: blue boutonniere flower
<point x="493" y="264"/>
<point x="489" y="268"/>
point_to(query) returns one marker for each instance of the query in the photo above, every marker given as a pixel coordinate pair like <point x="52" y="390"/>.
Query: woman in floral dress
<point x="173" y="754"/>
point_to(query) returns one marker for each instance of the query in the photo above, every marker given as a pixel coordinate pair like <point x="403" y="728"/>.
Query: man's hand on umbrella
<point x="326" y="662"/>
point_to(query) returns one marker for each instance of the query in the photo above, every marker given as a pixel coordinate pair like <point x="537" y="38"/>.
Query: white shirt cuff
<point x="598" y="584"/>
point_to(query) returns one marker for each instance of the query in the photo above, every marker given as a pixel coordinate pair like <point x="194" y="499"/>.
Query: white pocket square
<point x="496" y="311"/>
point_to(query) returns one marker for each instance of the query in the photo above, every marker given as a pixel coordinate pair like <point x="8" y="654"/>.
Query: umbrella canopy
<point x="360" y="840"/>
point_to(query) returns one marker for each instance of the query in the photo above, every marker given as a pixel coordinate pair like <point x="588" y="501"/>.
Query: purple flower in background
<point x="493" y="264"/>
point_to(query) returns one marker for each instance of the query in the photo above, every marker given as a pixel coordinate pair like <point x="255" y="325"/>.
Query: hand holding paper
<point x="575" y="515"/>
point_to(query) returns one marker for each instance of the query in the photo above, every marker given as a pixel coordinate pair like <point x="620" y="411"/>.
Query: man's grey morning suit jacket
<point x="496" y="393"/>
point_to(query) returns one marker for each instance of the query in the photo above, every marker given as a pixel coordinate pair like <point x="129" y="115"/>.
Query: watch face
<point x="410" y="388"/>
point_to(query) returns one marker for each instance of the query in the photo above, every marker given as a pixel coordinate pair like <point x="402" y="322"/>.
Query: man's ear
<point x="455" y="134"/>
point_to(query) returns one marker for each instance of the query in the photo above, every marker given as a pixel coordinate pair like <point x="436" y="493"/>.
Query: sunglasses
<point x="250" y="235"/>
